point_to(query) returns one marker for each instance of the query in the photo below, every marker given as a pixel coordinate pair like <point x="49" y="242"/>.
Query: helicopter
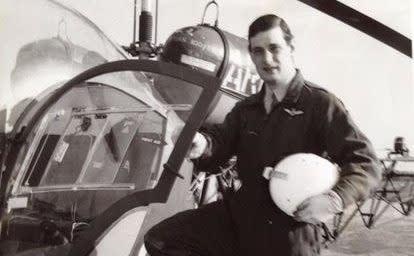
<point x="86" y="144"/>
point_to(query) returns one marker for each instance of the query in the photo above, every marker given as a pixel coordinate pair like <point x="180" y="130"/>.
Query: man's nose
<point x="267" y="58"/>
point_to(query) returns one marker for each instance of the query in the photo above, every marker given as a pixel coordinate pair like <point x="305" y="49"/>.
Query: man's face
<point x="272" y="56"/>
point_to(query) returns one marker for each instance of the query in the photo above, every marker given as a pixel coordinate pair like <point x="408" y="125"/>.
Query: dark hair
<point x="267" y="22"/>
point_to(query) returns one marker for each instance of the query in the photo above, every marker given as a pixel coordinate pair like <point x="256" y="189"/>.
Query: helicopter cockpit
<point x="98" y="144"/>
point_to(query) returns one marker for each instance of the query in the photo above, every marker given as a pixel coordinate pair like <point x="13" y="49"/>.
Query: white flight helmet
<point x="298" y="177"/>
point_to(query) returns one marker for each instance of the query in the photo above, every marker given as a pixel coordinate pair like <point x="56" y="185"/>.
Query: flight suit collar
<point x="292" y="95"/>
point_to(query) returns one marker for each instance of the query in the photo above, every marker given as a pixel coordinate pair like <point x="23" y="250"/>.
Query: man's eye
<point x="257" y="51"/>
<point x="273" y="49"/>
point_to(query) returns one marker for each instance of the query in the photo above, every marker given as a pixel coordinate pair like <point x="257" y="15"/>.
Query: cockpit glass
<point x="94" y="138"/>
<point x="111" y="149"/>
<point x="102" y="140"/>
<point x="108" y="133"/>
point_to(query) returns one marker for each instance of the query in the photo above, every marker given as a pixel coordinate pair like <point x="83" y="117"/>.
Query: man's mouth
<point x="270" y="69"/>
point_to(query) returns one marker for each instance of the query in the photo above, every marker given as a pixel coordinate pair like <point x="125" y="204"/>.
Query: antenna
<point x="145" y="22"/>
<point x="144" y="48"/>
<point x="134" y="32"/>
<point x="156" y="22"/>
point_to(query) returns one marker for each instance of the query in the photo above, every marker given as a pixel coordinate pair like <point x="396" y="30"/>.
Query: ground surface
<point x="392" y="235"/>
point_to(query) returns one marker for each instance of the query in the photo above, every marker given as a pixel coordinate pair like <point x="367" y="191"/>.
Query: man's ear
<point x="292" y="45"/>
<point x="292" y="51"/>
<point x="292" y="48"/>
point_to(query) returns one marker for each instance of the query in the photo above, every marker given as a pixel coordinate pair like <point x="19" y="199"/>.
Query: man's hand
<point x="319" y="208"/>
<point x="198" y="146"/>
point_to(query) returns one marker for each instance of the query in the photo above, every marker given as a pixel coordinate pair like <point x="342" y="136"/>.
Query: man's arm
<point x="347" y="146"/>
<point x="221" y="141"/>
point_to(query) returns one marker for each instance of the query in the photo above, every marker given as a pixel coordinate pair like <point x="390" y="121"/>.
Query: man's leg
<point x="207" y="231"/>
<point x="305" y="240"/>
<point x="266" y="231"/>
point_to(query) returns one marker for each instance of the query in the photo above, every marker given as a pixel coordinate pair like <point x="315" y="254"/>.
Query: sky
<point x="235" y="15"/>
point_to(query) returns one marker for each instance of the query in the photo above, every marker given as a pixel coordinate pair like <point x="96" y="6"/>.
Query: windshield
<point x="98" y="136"/>
<point x="97" y="149"/>
<point x="104" y="139"/>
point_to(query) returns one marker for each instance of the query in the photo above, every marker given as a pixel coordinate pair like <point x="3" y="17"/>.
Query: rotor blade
<point x="363" y="23"/>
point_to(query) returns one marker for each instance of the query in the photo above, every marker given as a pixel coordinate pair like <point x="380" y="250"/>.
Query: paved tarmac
<point x="392" y="235"/>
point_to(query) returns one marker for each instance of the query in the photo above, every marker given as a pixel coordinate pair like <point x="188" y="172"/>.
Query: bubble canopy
<point x="99" y="143"/>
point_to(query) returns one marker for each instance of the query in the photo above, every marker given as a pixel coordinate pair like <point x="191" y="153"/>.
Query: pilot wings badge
<point x="293" y="111"/>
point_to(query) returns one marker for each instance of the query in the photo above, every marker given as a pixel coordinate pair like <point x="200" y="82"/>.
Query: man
<point x="289" y="115"/>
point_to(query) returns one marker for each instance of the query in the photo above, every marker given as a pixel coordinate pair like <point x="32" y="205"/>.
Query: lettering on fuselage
<point x="192" y="41"/>
<point x="243" y="80"/>
<point x="198" y="44"/>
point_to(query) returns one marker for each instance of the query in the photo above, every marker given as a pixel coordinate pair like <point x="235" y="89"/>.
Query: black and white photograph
<point x="206" y="128"/>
